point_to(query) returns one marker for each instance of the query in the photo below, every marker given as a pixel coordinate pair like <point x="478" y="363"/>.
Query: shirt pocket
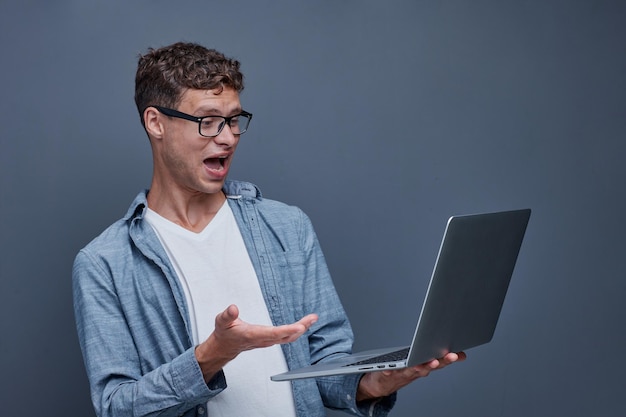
<point x="291" y="277"/>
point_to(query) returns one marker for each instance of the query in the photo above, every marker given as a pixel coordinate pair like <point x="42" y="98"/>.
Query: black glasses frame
<point x="185" y="116"/>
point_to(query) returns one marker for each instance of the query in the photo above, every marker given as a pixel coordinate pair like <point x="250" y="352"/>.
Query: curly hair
<point x="164" y="74"/>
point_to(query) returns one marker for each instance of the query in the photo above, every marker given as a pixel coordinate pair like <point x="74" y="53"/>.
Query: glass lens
<point x="239" y="124"/>
<point x="213" y="125"/>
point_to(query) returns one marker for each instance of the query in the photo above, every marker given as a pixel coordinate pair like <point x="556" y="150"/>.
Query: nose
<point x="226" y="137"/>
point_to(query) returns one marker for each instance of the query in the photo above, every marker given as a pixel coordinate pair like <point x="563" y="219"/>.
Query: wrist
<point x="209" y="358"/>
<point x="365" y="390"/>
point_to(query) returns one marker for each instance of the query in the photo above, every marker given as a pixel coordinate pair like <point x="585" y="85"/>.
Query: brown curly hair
<point x="164" y="74"/>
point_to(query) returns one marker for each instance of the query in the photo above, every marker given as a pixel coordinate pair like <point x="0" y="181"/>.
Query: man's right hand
<point x="233" y="336"/>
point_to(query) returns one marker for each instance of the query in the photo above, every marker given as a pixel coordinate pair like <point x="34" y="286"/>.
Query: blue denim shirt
<point x="133" y="321"/>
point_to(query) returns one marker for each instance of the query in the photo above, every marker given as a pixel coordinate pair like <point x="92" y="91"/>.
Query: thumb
<point x="226" y="317"/>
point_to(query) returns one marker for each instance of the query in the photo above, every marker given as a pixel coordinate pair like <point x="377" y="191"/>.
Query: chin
<point x="213" y="188"/>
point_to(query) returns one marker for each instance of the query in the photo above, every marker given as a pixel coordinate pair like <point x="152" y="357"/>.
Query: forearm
<point x="169" y="390"/>
<point x="341" y="392"/>
<point x="137" y="362"/>
<point x="209" y="360"/>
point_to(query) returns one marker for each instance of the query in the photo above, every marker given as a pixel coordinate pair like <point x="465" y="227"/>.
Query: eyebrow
<point x="212" y="111"/>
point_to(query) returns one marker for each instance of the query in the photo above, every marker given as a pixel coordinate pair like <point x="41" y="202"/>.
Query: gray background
<point x="380" y="120"/>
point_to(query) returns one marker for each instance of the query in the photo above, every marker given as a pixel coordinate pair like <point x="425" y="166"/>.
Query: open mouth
<point x="216" y="164"/>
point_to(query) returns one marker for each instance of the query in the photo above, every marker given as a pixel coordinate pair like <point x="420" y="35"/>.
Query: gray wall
<point x="380" y="120"/>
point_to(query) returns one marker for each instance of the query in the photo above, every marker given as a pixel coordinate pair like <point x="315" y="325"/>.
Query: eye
<point x="209" y="122"/>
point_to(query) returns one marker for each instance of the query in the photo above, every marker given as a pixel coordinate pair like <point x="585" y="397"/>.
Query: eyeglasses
<point x="211" y="126"/>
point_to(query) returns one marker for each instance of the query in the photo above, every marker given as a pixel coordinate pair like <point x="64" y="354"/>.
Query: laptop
<point x="467" y="288"/>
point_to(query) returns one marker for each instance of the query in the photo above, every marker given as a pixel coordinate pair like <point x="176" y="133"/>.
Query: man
<point x="165" y="297"/>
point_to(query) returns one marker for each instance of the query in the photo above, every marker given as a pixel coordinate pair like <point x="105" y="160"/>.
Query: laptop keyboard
<point x="397" y="355"/>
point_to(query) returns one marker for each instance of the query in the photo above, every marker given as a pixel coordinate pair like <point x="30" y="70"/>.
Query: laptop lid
<point x="465" y="295"/>
<point x="469" y="283"/>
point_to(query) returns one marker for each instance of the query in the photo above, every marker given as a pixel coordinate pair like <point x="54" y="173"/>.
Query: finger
<point x="422" y="371"/>
<point x="451" y="358"/>
<point x="290" y="332"/>
<point x="296" y="329"/>
<point x="308" y="320"/>
<point x="227" y="317"/>
<point x="410" y="373"/>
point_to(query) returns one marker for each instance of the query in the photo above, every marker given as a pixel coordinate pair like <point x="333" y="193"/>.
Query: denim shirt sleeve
<point x="343" y="388"/>
<point x="119" y="383"/>
<point x="132" y="326"/>
<point x="333" y="337"/>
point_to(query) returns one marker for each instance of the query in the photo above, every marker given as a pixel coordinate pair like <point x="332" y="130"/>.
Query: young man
<point x="165" y="297"/>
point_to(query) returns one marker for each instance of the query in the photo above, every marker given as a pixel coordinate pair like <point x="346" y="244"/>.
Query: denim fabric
<point x="133" y="322"/>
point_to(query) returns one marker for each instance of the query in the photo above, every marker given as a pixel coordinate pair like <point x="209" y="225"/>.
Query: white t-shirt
<point x="215" y="271"/>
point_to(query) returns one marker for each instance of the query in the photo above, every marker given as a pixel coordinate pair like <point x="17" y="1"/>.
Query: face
<point x="187" y="161"/>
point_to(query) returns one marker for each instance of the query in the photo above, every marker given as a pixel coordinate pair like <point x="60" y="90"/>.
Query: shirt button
<point x="200" y="410"/>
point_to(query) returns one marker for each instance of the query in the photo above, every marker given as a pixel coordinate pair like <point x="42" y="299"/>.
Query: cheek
<point x="176" y="157"/>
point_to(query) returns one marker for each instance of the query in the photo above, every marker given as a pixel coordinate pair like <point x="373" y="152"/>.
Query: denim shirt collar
<point x="233" y="189"/>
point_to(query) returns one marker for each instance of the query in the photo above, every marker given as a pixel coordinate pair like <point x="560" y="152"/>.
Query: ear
<point x="152" y="121"/>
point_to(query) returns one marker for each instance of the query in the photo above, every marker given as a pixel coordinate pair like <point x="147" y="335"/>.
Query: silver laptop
<point x="464" y="298"/>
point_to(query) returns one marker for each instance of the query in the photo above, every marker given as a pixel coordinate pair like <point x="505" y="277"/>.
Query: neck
<point x="191" y="210"/>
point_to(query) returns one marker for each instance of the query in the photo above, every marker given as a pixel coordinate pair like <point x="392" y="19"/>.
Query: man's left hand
<point x="381" y="384"/>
